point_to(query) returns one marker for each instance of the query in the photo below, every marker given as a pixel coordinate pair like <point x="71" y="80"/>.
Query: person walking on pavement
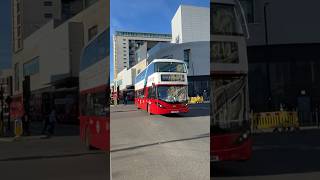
<point x="205" y="95"/>
<point x="26" y="124"/>
<point x="45" y="125"/>
<point x="124" y="97"/>
<point x="52" y="122"/>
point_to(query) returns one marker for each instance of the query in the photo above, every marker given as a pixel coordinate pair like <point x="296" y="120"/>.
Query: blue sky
<point x="144" y="16"/>
<point x="5" y="33"/>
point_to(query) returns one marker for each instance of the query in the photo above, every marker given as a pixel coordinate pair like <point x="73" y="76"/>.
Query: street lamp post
<point x="266" y="4"/>
<point x="2" y="107"/>
<point x="8" y="101"/>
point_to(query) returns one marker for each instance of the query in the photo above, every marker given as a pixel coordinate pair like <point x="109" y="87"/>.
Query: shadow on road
<point x="195" y="110"/>
<point x="124" y="111"/>
<point x="276" y="154"/>
<point x="50" y="156"/>
<point x="161" y="142"/>
<point x="36" y="128"/>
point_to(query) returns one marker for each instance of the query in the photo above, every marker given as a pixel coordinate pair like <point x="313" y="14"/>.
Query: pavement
<point x="277" y="156"/>
<point x="61" y="157"/>
<point x="160" y="147"/>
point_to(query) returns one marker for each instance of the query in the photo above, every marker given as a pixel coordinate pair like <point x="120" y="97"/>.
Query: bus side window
<point x="150" y="70"/>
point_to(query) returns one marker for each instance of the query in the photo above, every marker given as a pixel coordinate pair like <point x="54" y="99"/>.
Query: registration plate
<point x="174" y="111"/>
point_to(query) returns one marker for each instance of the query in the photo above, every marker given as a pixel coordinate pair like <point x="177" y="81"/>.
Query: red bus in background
<point x="230" y="123"/>
<point x="94" y="88"/>
<point x="162" y="88"/>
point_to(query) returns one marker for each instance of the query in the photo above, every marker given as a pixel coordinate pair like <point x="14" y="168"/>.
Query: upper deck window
<point x="170" y="67"/>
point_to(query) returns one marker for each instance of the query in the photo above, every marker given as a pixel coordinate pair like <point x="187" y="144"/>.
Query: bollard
<point x="18" y="129"/>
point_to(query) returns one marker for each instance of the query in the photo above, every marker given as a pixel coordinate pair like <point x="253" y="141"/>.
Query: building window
<point x="48" y="15"/>
<point x="92" y="32"/>
<point x="16" y="76"/>
<point x="18" y="19"/>
<point x="47" y="3"/>
<point x="19" y="43"/>
<point x="186" y="56"/>
<point x="248" y="8"/>
<point x="31" y="67"/>
<point x="19" y="31"/>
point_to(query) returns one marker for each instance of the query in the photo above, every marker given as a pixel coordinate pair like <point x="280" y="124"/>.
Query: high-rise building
<point x="126" y="44"/>
<point x="30" y="15"/>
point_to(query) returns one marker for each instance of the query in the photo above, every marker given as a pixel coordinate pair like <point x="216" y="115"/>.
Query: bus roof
<point x="223" y="1"/>
<point x="162" y="60"/>
<point x="166" y="60"/>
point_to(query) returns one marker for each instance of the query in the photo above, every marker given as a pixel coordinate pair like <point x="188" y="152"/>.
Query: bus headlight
<point x="161" y="106"/>
<point x="245" y="136"/>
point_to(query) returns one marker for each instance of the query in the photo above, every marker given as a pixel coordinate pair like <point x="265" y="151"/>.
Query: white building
<point x="51" y="55"/>
<point x="190" y="23"/>
<point x="190" y="43"/>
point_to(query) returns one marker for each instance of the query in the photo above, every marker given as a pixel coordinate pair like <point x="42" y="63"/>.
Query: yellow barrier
<point x="197" y="99"/>
<point x="272" y="120"/>
<point x="18" y="129"/>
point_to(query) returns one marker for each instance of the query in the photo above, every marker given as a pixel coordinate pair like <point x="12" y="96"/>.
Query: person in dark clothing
<point x="45" y="125"/>
<point x="26" y="124"/>
<point x="52" y="122"/>
<point x="125" y="97"/>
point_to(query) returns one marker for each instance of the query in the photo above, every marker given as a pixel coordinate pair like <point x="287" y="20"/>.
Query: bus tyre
<point x="87" y="140"/>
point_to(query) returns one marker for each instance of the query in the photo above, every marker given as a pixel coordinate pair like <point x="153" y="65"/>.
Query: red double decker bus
<point x="162" y="88"/>
<point x="230" y="123"/>
<point x="94" y="88"/>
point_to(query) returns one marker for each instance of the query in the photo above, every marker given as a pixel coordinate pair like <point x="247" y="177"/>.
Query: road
<point x="160" y="147"/>
<point x="289" y="156"/>
<point x="62" y="157"/>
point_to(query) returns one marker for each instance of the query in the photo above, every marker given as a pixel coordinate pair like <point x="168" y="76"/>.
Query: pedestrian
<point x="124" y="97"/>
<point x="26" y="124"/>
<point x="45" y="124"/>
<point x="205" y="95"/>
<point x="52" y="122"/>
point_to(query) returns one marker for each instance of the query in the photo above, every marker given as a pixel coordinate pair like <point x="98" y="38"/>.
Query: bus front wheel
<point x="88" y="140"/>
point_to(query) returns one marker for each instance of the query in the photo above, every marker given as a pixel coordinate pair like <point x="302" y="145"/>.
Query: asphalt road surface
<point x="159" y="147"/>
<point x="291" y="156"/>
<point x="62" y="157"/>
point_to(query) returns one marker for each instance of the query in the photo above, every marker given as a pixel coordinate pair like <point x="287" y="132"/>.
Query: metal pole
<point x="267" y="53"/>
<point x="1" y="89"/>
<point x="316" y="114"/>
